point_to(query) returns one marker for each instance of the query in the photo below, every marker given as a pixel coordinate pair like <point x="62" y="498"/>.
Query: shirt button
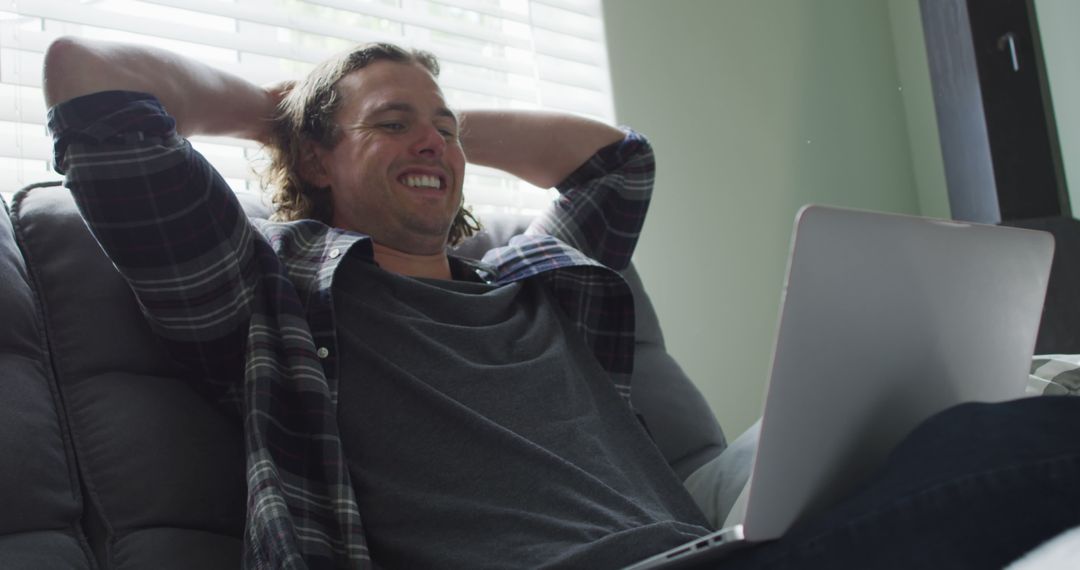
<point x="334" y="253"/>
<point x="322" y="352"/>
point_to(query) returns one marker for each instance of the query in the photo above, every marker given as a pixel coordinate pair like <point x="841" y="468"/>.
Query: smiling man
<point x="394" y="165"/>
<point x="399" y="403"/>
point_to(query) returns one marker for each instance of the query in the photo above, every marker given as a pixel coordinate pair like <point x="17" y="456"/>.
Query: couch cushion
<point x="163" y="470"/>
<point x="51" y="549"/>
<point x="40" y="502"/>
<point x="676" y="414"/>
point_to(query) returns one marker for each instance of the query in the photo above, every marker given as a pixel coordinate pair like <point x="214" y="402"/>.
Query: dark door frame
<point x="995" y="116"/>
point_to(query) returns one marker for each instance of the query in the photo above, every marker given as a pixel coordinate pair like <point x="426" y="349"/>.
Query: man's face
<point x="397" y="170"/>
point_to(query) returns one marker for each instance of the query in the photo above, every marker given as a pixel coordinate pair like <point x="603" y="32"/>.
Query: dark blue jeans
<point x="975" y="486"/>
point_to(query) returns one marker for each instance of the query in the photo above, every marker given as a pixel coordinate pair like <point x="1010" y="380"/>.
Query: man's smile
<point x="423" y="179"/>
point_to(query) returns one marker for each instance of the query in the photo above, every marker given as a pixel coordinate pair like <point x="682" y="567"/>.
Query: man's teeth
<point x="418" y="181"/>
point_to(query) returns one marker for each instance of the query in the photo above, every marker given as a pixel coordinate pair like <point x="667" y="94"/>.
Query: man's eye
<point x="448" y="133"/>
<point x="393" y="126"/>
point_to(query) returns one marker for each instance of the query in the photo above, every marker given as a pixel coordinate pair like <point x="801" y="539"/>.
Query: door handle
<point x="1008" y="42"/>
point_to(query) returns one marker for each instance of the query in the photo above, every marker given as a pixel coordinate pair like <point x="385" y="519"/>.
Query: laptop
<point x="885" y="320"/>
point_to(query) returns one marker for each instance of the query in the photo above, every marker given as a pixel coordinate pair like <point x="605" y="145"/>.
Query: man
<point x="408" y="408"/>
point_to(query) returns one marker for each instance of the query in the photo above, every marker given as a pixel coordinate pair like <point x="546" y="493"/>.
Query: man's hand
<point x="277" y="93"/>
<point x="203" y="100"/>
<point x="279" y="90"/>
<point x="542" y="148"/>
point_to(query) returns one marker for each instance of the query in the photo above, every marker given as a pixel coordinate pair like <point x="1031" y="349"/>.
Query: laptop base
<point x="719" y="544"/>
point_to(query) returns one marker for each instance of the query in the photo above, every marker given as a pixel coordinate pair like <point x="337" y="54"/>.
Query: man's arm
<point x="604" y="175"/>
<point x="164" y="216"/>
<point x="542" y="148"/>
<point x="203" y="100"/>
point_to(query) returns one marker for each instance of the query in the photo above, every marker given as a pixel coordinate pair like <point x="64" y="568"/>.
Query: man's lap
<point x="975" y="486"/>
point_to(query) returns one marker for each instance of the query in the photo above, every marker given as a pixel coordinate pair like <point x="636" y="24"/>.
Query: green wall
<point x="1058" y="20"/>
<point x="918" y="96"/>
<point x="754" y="109"/>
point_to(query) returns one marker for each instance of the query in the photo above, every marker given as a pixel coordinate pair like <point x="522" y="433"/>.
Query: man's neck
<point x="433" y="266"/>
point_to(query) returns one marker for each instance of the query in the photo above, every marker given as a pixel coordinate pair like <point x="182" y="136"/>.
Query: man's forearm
<point x="203" y="100"/>
<point x="541" y="148"/>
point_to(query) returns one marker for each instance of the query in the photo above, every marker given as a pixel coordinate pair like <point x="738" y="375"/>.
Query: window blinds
<point x="517" y="54"/>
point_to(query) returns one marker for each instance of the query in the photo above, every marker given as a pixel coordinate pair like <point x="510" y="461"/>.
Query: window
<point x="518" y="54"/>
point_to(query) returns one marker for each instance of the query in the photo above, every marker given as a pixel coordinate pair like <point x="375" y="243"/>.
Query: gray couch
<point x="111" y="460"/>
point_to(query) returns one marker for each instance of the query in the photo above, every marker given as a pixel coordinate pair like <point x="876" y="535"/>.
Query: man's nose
<point x="430" y="142"/>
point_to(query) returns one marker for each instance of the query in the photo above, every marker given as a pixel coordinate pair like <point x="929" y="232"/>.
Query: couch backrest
<point x="40" y="501"/>
<point x="163" y="471"/>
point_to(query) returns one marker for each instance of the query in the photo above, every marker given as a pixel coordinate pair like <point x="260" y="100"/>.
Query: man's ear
<point x="311" y="165"/>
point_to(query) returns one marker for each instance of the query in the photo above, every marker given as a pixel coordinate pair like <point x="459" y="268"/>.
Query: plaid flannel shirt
<point x="248" y="303"/>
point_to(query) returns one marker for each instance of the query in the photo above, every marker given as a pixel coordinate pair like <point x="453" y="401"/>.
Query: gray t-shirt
<point x="481" y="433"/>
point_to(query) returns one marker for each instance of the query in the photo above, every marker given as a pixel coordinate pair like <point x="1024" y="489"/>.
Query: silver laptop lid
<point x="885" y="320"/>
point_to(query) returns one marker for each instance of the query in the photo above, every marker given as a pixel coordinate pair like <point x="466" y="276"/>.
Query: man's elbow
<point x="68" y="62"/>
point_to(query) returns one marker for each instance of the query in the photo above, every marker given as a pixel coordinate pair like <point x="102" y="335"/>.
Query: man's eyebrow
<point x="393" y="106"/>
<point x="409" y="108"/>
<point x="444" y="112"/>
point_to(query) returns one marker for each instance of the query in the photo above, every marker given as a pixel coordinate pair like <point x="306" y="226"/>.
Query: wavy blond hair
<point x="306" y="115"/>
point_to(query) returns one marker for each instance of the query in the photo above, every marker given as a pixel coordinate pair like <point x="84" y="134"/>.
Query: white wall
<point x="754" y="109"/>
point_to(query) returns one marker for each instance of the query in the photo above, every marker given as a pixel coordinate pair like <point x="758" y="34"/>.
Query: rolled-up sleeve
<point x="166" y="219"/>
<point x="602" y="205"/>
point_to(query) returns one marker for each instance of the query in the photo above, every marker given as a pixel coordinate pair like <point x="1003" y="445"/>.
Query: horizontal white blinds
<point x="520" y="54"/>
